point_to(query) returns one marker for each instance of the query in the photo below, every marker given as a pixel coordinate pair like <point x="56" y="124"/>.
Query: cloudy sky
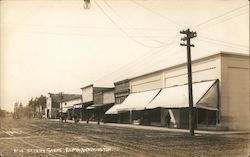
<point x="58" y="46"/>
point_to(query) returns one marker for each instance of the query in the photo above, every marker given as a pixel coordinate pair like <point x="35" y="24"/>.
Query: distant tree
<point x="17" y="110"/>
<point x="2" y="113"/>
<point x="30" y="109"/>
<point x="31" y="103"/>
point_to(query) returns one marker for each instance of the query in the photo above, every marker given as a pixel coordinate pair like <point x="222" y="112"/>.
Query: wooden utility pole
<point x="61" y="98"/>
<point x="189" y="35"/>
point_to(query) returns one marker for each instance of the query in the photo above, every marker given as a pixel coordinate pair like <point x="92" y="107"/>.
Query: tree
<point x="2" y="113"/>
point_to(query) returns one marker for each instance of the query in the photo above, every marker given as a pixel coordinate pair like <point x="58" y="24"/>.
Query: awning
<point x="97" y="105"/>
<point x="78" y="106"/>
<point x="64" y="110"/>
<point x="113" y="109"/>
<point x="90" y="107"/>
<point x="177" y="96"/>
<point x="137" y="101"/>
<point x="69" y="107"/>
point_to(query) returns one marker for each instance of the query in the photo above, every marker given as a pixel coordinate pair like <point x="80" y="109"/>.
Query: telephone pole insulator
<point x="189" y="35"/>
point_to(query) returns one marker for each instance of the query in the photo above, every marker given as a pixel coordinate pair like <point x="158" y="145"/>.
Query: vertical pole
<point x="82" y="112"/>
<point x="189" y="35"/>
<point x="87" y="118"/>
<point x="131" y="116"/>
<point x="61" y="97"/>
<point x="98" y="115"/>
<point x="190" y="88"/>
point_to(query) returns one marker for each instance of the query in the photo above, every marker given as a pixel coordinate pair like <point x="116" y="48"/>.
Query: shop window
<point x="211" y="117"/>
<point x="155" y="115"/>
<point x="202" y="116"/>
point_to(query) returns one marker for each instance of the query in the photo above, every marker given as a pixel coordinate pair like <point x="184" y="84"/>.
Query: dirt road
<point x="24" y="137"/>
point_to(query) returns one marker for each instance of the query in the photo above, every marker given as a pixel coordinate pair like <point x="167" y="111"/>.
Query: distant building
<point x="68" y="103"/>
<point x="95" y="102"/>
<point x="220" y="90"/>
<point x="121" y="92"/>
<point x="53" y="104"/>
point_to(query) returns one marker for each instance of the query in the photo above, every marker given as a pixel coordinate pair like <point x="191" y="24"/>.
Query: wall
<point x="108" y="97"/>
<point x="71" y="103"/>
<point x="87" y="94"/>
<point x="48" y="107"/>
<point x="148" y="82"/>
<point x="235" y="92"/>
<point x="98" y="97"/>
<point x="202" y="70"/>
<point x="121" y="91"/>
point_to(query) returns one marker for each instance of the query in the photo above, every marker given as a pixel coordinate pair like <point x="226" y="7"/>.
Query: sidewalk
<point x="155" y="128"/>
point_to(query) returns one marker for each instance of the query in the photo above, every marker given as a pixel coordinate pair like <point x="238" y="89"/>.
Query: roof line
<point x="221" y="53"/>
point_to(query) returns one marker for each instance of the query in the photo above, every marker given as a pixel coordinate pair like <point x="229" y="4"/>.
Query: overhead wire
<point x="158" y="14"/>
<point x="213" y="18"/>
<point x="218" y="17"/>
<point x="224" y="42"/>
<point x="139" y="60"/>
<point x="221" y="44"/>
<point x="222" y="21"/>
<point x="81" y="34"/>
<point x="115" y="24"/>
<point x="117" y="14"/>
<point x="138" y="68"/>
<point x="156" y="64"/>
<point x="90" y="27"/>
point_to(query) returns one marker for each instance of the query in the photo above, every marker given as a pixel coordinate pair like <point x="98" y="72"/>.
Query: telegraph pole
<point x="61" y="97"/>
<point x="189" y="35"/>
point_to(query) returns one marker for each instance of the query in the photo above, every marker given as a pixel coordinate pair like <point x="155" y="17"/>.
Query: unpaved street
<point x="33" y="137"/>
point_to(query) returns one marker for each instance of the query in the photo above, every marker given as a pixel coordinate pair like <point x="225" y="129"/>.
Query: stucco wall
<point x="207" y="69"/>
<point x="108" y="97"/>
<point x="70" y="103"/>
<point x="235" y="92"/>
<point x="149" y="82"/>
<point x="87" y="94"/>
<point x="202" y="70"/>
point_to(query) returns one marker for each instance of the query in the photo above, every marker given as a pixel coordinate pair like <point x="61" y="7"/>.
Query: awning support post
<point x="131" y="116"/>
<point x="87" y="118"/>
<point x="98" y="116"/>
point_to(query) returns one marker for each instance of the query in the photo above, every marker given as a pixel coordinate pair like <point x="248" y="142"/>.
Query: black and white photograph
<point x="124" y="78"/>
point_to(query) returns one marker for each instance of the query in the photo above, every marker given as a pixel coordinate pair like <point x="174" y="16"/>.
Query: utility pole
<point x="61" y="98"/>
<point x="189" y="35"/>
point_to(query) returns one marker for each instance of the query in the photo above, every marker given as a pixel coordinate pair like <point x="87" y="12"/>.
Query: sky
<point x="58" y="46"/>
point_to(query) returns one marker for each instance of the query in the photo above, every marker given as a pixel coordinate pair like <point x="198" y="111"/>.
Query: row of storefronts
<point x="160" y="98"/>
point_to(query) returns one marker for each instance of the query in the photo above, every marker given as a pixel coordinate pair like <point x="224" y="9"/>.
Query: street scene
<point x="129" y="78"/>
<point x="39" y="137"/>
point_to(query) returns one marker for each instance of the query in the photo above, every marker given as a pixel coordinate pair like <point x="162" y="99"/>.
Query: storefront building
<point x="121" y="92"/>
<point x="220" y="89"/>
<point x="67" y="106"/>
<point x="95" y="102"/>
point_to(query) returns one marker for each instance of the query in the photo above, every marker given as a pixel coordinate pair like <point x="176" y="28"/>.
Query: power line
<point x="138" y="60"/>
<point x="223" y="20"/>
<point x="81" y="34"/>
<point x="139" y="67"/>
<point x="125" y="20"/>
<point x="221" y="44"/>
<point x="122" y="71"/>
<point x="224" y="42"/>
<point x="92" y="27"/>
<point x="219" y="16"/>
<point x="158" y="14"/>
<point x="114" y="23"/>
